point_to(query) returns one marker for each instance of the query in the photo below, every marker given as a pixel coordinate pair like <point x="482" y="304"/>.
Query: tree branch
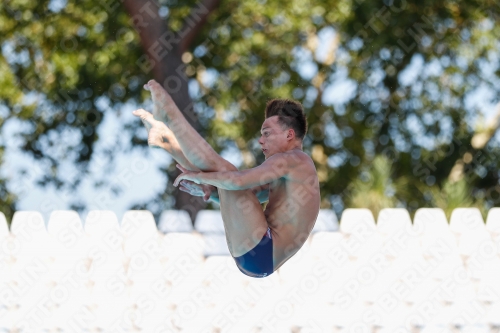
<point x="479" y="140"/>
<point x="194" y="23"/>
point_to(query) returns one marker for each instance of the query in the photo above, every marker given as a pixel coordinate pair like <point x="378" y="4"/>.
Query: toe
<point x="155" y="86"/>
<point x="141" y="113"/>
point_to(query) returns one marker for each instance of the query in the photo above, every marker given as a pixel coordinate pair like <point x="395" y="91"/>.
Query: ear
<point x="291" y="134"/>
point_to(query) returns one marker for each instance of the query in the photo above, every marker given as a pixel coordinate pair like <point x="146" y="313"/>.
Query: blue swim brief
<point x="258" y="262"/>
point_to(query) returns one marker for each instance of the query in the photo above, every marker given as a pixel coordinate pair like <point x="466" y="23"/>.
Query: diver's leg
<point x="160" y="136"/>
<point x="244" y="220"/>
<point x="194" y="147"/>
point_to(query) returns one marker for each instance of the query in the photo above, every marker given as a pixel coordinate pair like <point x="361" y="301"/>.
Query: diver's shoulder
<point x="300" y="162"/>
<point x="299" y="155"/>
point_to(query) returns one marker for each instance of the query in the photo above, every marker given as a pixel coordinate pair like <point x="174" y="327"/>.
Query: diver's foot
<point x="159" y="135"/>
<point x="163" y="104"/>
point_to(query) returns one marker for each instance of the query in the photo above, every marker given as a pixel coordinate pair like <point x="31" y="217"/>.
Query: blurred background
<point x="402" y="98"/>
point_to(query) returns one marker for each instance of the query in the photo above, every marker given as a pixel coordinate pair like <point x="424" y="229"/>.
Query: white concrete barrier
<point x="356" y="275"/>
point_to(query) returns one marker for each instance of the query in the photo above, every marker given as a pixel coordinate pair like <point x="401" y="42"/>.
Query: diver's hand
<point x="197" y="190"/>
<point x="193" y="188"/>
<point x="187" y="175"/>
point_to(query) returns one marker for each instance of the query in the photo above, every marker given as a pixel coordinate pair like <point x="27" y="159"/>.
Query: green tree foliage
<point x="455" y="43"/>
<point x="377" y="188"/>
<point x="374" y="189"/>
<point x="89" y="53"/>
<point x="65" y="62"/>
<point x="457" y="194"/>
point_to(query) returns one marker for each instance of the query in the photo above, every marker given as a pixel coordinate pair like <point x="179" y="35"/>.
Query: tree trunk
<point x="162" y="59"/>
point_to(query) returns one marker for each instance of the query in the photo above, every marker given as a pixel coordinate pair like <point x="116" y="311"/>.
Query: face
<point x="273" y="138"/>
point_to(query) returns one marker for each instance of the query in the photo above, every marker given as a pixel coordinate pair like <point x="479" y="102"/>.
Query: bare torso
<point x="293" y="207"/>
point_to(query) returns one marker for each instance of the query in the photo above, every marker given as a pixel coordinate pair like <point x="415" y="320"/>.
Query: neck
<point x="297" y="145"/>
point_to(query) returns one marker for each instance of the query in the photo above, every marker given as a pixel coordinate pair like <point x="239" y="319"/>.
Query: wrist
<point x="197" y="178"/>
